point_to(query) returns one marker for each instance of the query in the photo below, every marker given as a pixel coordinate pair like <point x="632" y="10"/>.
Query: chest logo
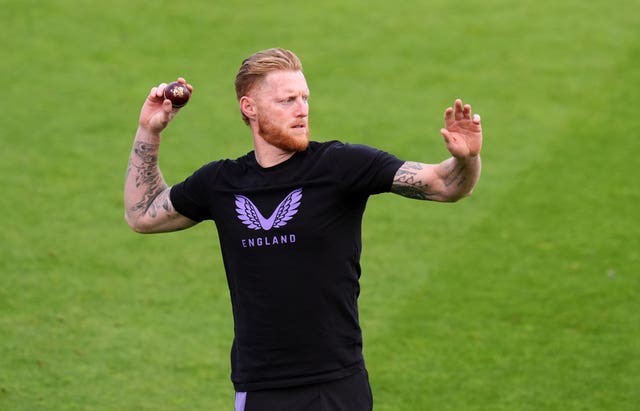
<point x="250" y="216"/>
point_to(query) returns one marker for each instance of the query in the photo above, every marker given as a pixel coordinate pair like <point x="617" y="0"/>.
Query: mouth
<point x="299" y="128"/>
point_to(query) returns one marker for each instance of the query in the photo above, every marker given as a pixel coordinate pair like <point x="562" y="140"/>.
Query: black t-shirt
<point x="291" y="240"/>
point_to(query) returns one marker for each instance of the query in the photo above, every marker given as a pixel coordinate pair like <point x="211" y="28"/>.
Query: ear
<point x="248" y="107"/>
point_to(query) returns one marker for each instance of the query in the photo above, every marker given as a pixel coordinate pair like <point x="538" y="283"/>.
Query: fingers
<point x="183" y="81"/>
<point x="462" y="112"/>
<point x="156" y="97"/>
<point x="448" y="117"/>
<point x="456" y="113"/>
<point x="158" y="91"/>
<point x="459" y="112"/>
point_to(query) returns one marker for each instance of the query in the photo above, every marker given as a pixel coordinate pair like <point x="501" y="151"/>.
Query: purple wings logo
<point x="250" y="216"/>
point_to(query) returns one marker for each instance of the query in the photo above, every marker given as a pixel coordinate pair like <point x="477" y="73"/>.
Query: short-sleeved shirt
<point x="290" y="237"/>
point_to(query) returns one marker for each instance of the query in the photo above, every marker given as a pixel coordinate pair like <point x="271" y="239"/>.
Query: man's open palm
<point x="463" y="132"/>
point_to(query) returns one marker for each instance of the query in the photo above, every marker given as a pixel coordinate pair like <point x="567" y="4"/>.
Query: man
<point x="288" y="215"/>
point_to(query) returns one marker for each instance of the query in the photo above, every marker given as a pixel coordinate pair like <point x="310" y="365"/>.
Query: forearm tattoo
<point x="406" y="182"/>
<point x="148" y="179"/>
<point x="452" y="181"/>
<point x="455" y="174"/>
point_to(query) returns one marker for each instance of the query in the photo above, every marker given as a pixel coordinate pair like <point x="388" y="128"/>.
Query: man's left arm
<point x="455" y="177"/>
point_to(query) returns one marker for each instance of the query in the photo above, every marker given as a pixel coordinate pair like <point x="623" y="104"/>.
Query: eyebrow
<point x="292" y="93"/>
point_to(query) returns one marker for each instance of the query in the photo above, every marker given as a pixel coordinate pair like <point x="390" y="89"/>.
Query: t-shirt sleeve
<point x="366" y="169"/>
<point x="189" y="196"/>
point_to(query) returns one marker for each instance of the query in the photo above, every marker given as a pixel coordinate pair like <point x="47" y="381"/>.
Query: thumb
<point x="161" y="118"/>
<point x="445" y="134"/>
<point x="167" y="107"/>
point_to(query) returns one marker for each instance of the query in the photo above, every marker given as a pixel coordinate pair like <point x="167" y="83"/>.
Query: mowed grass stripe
<point x="540" y="313"/>
<point x="96" y="317"/>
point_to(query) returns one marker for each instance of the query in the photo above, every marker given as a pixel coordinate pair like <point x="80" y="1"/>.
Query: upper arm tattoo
<point x="407" y="182"/>
<point x="162" y="202"/>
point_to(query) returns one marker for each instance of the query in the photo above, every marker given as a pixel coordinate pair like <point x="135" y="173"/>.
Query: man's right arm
<point x="148" y="207"/>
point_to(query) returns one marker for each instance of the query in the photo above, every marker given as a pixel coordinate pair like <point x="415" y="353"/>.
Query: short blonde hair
<point x="256" y="67"/>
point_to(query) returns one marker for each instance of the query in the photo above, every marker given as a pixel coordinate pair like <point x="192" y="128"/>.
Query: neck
<point x="268" y="155"/>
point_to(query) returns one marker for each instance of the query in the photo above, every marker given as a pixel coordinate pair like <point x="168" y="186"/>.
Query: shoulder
<point x="339" y="148"/>
<point x="227" y="165"/>
<point x="354" y="153"/>
<point x="344" y="157"/>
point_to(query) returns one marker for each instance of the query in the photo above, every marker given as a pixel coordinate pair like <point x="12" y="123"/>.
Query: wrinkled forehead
<point x="284" y="82"/>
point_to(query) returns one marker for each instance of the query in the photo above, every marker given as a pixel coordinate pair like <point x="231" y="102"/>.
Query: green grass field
<point x="524" y="296"/>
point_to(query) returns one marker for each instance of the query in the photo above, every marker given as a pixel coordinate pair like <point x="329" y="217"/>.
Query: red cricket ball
<point x="178" y="93"/>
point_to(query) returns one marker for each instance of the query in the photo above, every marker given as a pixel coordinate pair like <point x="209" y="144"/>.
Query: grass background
<point x="522" y="297"/>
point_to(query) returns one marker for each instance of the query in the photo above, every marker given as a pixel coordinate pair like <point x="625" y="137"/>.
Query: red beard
<point x="287" y="139"/>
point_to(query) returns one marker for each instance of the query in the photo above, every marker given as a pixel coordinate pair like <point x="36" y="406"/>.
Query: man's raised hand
<point x="157" y="111"/>
<point x="463" y="132"/>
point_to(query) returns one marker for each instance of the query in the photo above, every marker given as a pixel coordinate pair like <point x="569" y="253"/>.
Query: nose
<point x="302" y="107"/>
